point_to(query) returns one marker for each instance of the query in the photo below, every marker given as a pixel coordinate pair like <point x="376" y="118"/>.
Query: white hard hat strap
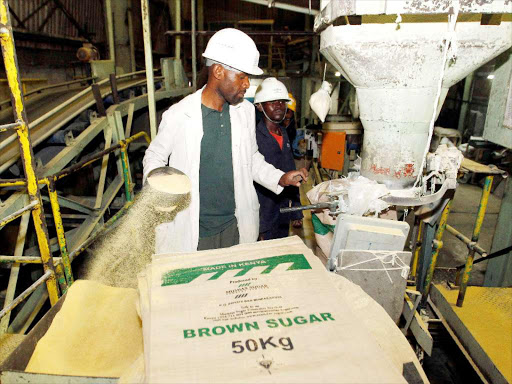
<point x="274" y="121"/>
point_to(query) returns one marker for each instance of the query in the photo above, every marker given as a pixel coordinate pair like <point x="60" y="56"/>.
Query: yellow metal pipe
<point x="18" y="182"/>
<point x="13" y="183"/>
<point x="438" y="244"/>
<point x="126" y="173"/>
<point x="11" y="70"/>
<point x="417" y="250"/>
<point x="137" y="136"/>
<point x="61" y="237"/>
<point x="476" y="234"/>
<point x="61" y="278"/>
<point x="482" y="208"/>
<point x="466" y="240"/>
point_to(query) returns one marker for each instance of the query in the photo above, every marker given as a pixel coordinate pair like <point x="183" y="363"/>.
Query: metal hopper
<point x="397" y="62"/>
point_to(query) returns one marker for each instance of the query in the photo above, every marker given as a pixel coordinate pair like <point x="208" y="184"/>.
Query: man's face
<point x="233" y="86"/>
<point x="275" y="110"/>
<point x="288" y="118"/>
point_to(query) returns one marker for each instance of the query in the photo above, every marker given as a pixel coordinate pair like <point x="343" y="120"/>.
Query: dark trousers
<point x="279" y="230"/>
<point x="227" y="238"/>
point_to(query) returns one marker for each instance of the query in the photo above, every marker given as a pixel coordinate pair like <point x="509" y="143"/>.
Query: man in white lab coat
<point x="210" y="136"/>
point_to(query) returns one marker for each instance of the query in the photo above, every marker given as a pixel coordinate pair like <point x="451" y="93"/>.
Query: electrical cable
<point x="502" y="252"/>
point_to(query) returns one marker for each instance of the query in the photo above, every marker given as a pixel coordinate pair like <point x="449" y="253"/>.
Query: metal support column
<point x="177" y="26"/>
<point x="194" y="47"/>
<point x="131" y="37"/>
<point x="110" y="31"/>
<point x="148" y="53"/>
<point x="200" y="23"/>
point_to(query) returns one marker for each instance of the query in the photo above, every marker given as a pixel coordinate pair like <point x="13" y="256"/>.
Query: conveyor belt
<point x="39" y="104"/>
<point x="42" y="127"/>
<point x="19" y="199"/>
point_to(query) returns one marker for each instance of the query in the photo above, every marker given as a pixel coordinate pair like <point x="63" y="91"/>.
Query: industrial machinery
<point x="402" y="56"/>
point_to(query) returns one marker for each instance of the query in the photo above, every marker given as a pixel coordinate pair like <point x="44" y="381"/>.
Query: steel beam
<point x="20" y="22"/>
<point x="41" y="6"/>
<point x="148" y="54"/>
<point x="131" y="37"/>
<point x="75" y="23"/>
<point x="15" y="269"/>
<point x="47" y="18"/>
<point x="87" y="227"/>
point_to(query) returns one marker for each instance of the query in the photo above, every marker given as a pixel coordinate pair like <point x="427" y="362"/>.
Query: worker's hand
<point x="297" y="223"/>
<point x="294" y="178"/>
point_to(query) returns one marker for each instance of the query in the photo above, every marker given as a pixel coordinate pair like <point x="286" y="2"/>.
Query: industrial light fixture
<point x="337" y="74"/>
<point x="490" y="77"/>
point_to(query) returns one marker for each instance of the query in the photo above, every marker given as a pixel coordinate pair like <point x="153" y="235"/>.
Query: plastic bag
<point x="320" y="101"/>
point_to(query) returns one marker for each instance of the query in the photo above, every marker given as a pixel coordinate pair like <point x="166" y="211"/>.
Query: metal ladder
<point x="35" y="205"/>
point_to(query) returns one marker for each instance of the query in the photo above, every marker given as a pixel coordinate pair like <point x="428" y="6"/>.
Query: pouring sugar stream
<point x="120" y="254"/>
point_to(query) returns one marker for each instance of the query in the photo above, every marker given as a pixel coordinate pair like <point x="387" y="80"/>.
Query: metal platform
<point x="483" y="326"/>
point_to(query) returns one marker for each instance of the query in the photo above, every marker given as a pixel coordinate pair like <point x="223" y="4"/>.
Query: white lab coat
<point x="178" y="144"/>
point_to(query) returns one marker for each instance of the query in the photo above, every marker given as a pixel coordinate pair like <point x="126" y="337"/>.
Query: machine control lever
<point x="333" y="206"/>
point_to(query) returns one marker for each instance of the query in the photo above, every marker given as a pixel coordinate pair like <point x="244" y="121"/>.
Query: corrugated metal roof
<point x="88" y="14"/>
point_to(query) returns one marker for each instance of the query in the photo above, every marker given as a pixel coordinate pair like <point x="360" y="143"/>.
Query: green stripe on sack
<point x="319" y="227"/>
<point x="187" y="275"/>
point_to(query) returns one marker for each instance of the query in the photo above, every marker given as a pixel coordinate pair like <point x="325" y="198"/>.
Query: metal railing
<point x="50" y="86"/>
<point x="462" y="278"/>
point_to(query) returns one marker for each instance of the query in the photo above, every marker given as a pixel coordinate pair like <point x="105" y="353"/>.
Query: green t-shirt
<point x="216" y="186"/>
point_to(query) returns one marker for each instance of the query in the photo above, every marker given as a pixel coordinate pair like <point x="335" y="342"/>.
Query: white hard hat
<point x="271" y="89"/>
<point x="235" y="49"/>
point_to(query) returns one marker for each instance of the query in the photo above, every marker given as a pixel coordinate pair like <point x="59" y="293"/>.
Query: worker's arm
<point x="158" y="152"/>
